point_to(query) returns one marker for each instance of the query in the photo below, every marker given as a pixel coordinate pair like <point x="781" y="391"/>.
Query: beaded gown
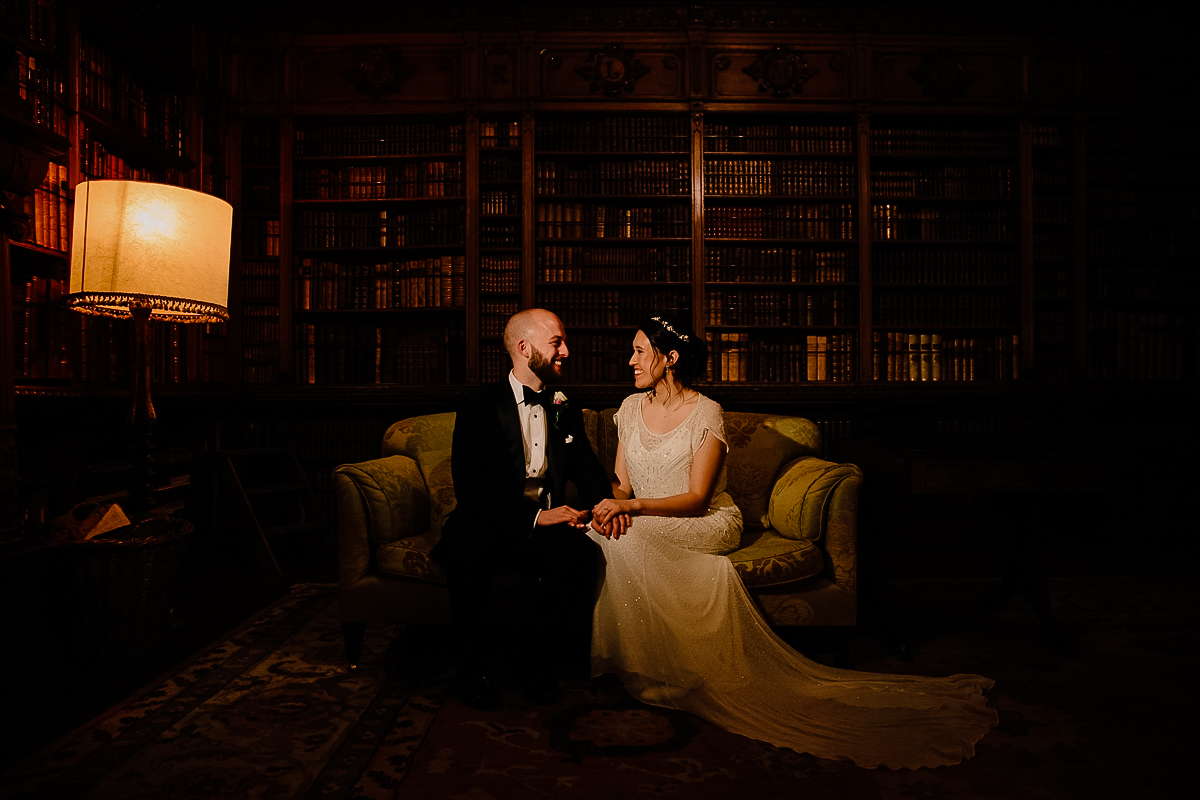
<point x="674" y="621"/>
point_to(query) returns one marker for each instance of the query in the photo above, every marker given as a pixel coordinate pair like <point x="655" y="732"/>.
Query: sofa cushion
<point x="409" y="557"/>
<point x="801" y="497"/>
<point x="759" y="444"/>
<point x="409" y="437"/>
<point x="768" y="559"/>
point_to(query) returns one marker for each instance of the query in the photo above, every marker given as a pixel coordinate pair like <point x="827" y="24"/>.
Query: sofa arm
<point x="817" y="501"/>
<point x="378" y="501"/>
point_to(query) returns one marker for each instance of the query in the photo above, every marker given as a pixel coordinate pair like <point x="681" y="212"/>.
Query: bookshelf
<point x="945" y="242"/>
<point x="612" y="230"/>
<point x="1141" y="213"/>
<point x="780" y="259"/>
<point x="258" y="272"/>
<point x="1054" y="199"/>
<point x="501" y="237"/>
<point x="379" y="251"/>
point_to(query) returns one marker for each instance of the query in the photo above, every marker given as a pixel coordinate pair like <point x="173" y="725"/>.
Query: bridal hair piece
<point x="683" y="337"/>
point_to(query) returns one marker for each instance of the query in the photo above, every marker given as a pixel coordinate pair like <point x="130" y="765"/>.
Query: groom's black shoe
<point x="541" y="689"/>
<point x="478" y="691"/>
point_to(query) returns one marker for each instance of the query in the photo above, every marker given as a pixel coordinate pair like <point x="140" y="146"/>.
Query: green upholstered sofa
<point x="797" y="554"/>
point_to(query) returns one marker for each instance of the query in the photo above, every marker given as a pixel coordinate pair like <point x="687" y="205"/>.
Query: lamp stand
<point x="141" y="415"/>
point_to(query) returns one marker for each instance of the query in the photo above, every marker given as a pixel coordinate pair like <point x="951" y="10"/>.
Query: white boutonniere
<point x="569" y="439"/>
<point x="560" y="405"/>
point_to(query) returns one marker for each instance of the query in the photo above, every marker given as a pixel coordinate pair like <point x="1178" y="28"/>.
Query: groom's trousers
<point x="554" y="570"/>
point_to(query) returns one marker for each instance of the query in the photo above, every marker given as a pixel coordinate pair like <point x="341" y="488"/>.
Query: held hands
<point x="563" y="515"/>
<point x="611" y="518"/>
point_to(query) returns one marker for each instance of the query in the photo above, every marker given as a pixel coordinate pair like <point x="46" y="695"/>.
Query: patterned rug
<point x="270" y="712"/>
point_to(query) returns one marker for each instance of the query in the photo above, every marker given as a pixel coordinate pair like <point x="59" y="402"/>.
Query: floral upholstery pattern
<point x="768" y="559"/>
<point x="410" y="557"/>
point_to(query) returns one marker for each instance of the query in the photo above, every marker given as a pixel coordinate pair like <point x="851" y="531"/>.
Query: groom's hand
<point x="563" y="515"/>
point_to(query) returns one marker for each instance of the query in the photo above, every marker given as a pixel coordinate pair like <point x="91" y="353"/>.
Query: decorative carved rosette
<point x="780" y="71"/>
<point x="944" y="75"/>
<point x="377" y="72"/>
<point x="612" y="69"/>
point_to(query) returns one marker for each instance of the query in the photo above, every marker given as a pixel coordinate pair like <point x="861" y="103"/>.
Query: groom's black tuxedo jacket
<point x="487" y="464"/>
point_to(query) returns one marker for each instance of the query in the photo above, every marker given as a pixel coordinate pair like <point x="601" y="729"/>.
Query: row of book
<point x="1051" y="210"/>
<point x="494" y="314"/>
<point x="916" y="142"/>
<point x="981" y="308"/>
<point x="260" y="193"/>
<point x="1140" y="346"/>
<point x="260" y="324"/>
<point x="1056" y="175"/>
<point x="597" y="307"/>
<point x="945" y="266"/>
<point x="48" y="209"/>
<point x="35" y="20"/>
<point x="42" y="86"/>
<point x="646" y="273"/>
<point x="778" y="308"/>
<point x="813" y="261"/>
<point x="57" y="343"/>
<point x="926" y="357"/>
<point x="500" y="201"/>
<point x="260" y="237"/>
<point x="1134" y="171"/>
<point x="500" y="233"/>
<point x="503" y="166"/>
<point x="109" y="90"/>
<point x="1048" y="136"/>
<point x="600" y="221"/>
<point x="1154" y="138"/>
<point x="499" y="134"/>
<point x="640" y="176"/>
<point x="368" y="354"/>
<point x="260" y="363"/>
<point x="98" y="162"/>
<point x="260" y="144"/>
<point x="494" y="362"/>
<point x="742" y="357"/>
<point x="615" y="134"/>
<point x="600" y="358"/>
<point x="971" y="182"/>
<point x="1115" y="280"/>
<point x="381" y="228"/>
<point x="783" y="221"/>
<point x="374" y="139"/>
<point x="438" y="282"/>
<point x="742" y="177"/>
<point x="898" y="221"/>
<point x="778" y="137"/>
<point x="662" y="256"/>
<point x="500" y="274"/>
<point x="403" y="180"/>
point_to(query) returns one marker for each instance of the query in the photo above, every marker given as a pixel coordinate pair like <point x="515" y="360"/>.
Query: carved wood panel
<point x="780" y="72"/>
<point x="946" y="75"/>
<point x="377" y="73"/>
<point x="621" y="72"/>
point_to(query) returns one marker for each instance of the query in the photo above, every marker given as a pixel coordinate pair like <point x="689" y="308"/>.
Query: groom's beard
<point x="544" y="368"/>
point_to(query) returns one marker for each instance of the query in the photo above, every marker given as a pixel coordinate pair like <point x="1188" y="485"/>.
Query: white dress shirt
<point x="533" y="431"/>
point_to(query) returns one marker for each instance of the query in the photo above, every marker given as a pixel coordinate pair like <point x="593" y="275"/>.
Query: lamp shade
<point x="150" y="244"/>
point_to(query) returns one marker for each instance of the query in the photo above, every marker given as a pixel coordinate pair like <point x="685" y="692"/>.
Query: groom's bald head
<point x="530" y="325"/>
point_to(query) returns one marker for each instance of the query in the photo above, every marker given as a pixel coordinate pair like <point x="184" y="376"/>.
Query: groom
<point x="516" y="444"/>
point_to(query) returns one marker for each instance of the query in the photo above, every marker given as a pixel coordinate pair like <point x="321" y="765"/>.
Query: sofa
<point x="797" y="556"/>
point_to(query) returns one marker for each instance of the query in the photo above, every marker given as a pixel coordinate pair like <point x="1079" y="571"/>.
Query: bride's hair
<point x="667" y="334"/>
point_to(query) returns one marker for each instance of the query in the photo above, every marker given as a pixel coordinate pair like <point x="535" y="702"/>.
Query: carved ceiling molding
<point x="945" y="75"/>
<point x="780" y="71"/>
<point x="612" y="69"/>
<point x="625" y="18"/>
<point x="773" y="18"/>
<point x="379" y="71"/>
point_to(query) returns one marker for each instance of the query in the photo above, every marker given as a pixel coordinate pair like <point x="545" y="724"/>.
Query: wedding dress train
<point x="674" y="621"/>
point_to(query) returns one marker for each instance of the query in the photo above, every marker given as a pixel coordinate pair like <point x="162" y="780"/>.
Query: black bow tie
<point x="532" y="398"/>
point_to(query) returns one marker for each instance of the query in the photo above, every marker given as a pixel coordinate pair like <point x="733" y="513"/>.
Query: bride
<point x="675" y="623"/>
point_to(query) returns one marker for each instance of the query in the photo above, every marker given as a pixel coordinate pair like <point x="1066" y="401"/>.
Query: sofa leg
<point x="354" y="633"/>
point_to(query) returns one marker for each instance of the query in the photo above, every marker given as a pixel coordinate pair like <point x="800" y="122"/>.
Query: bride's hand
<point x="606" y="509"/>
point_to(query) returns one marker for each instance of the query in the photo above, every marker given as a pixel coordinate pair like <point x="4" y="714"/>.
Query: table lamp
<point x="149" y="251"/>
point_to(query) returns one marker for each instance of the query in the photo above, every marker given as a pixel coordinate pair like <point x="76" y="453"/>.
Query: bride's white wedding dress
<point x="675" y="623"/>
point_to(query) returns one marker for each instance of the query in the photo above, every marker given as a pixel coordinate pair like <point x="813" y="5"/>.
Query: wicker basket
<point x="127" y="580"/>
